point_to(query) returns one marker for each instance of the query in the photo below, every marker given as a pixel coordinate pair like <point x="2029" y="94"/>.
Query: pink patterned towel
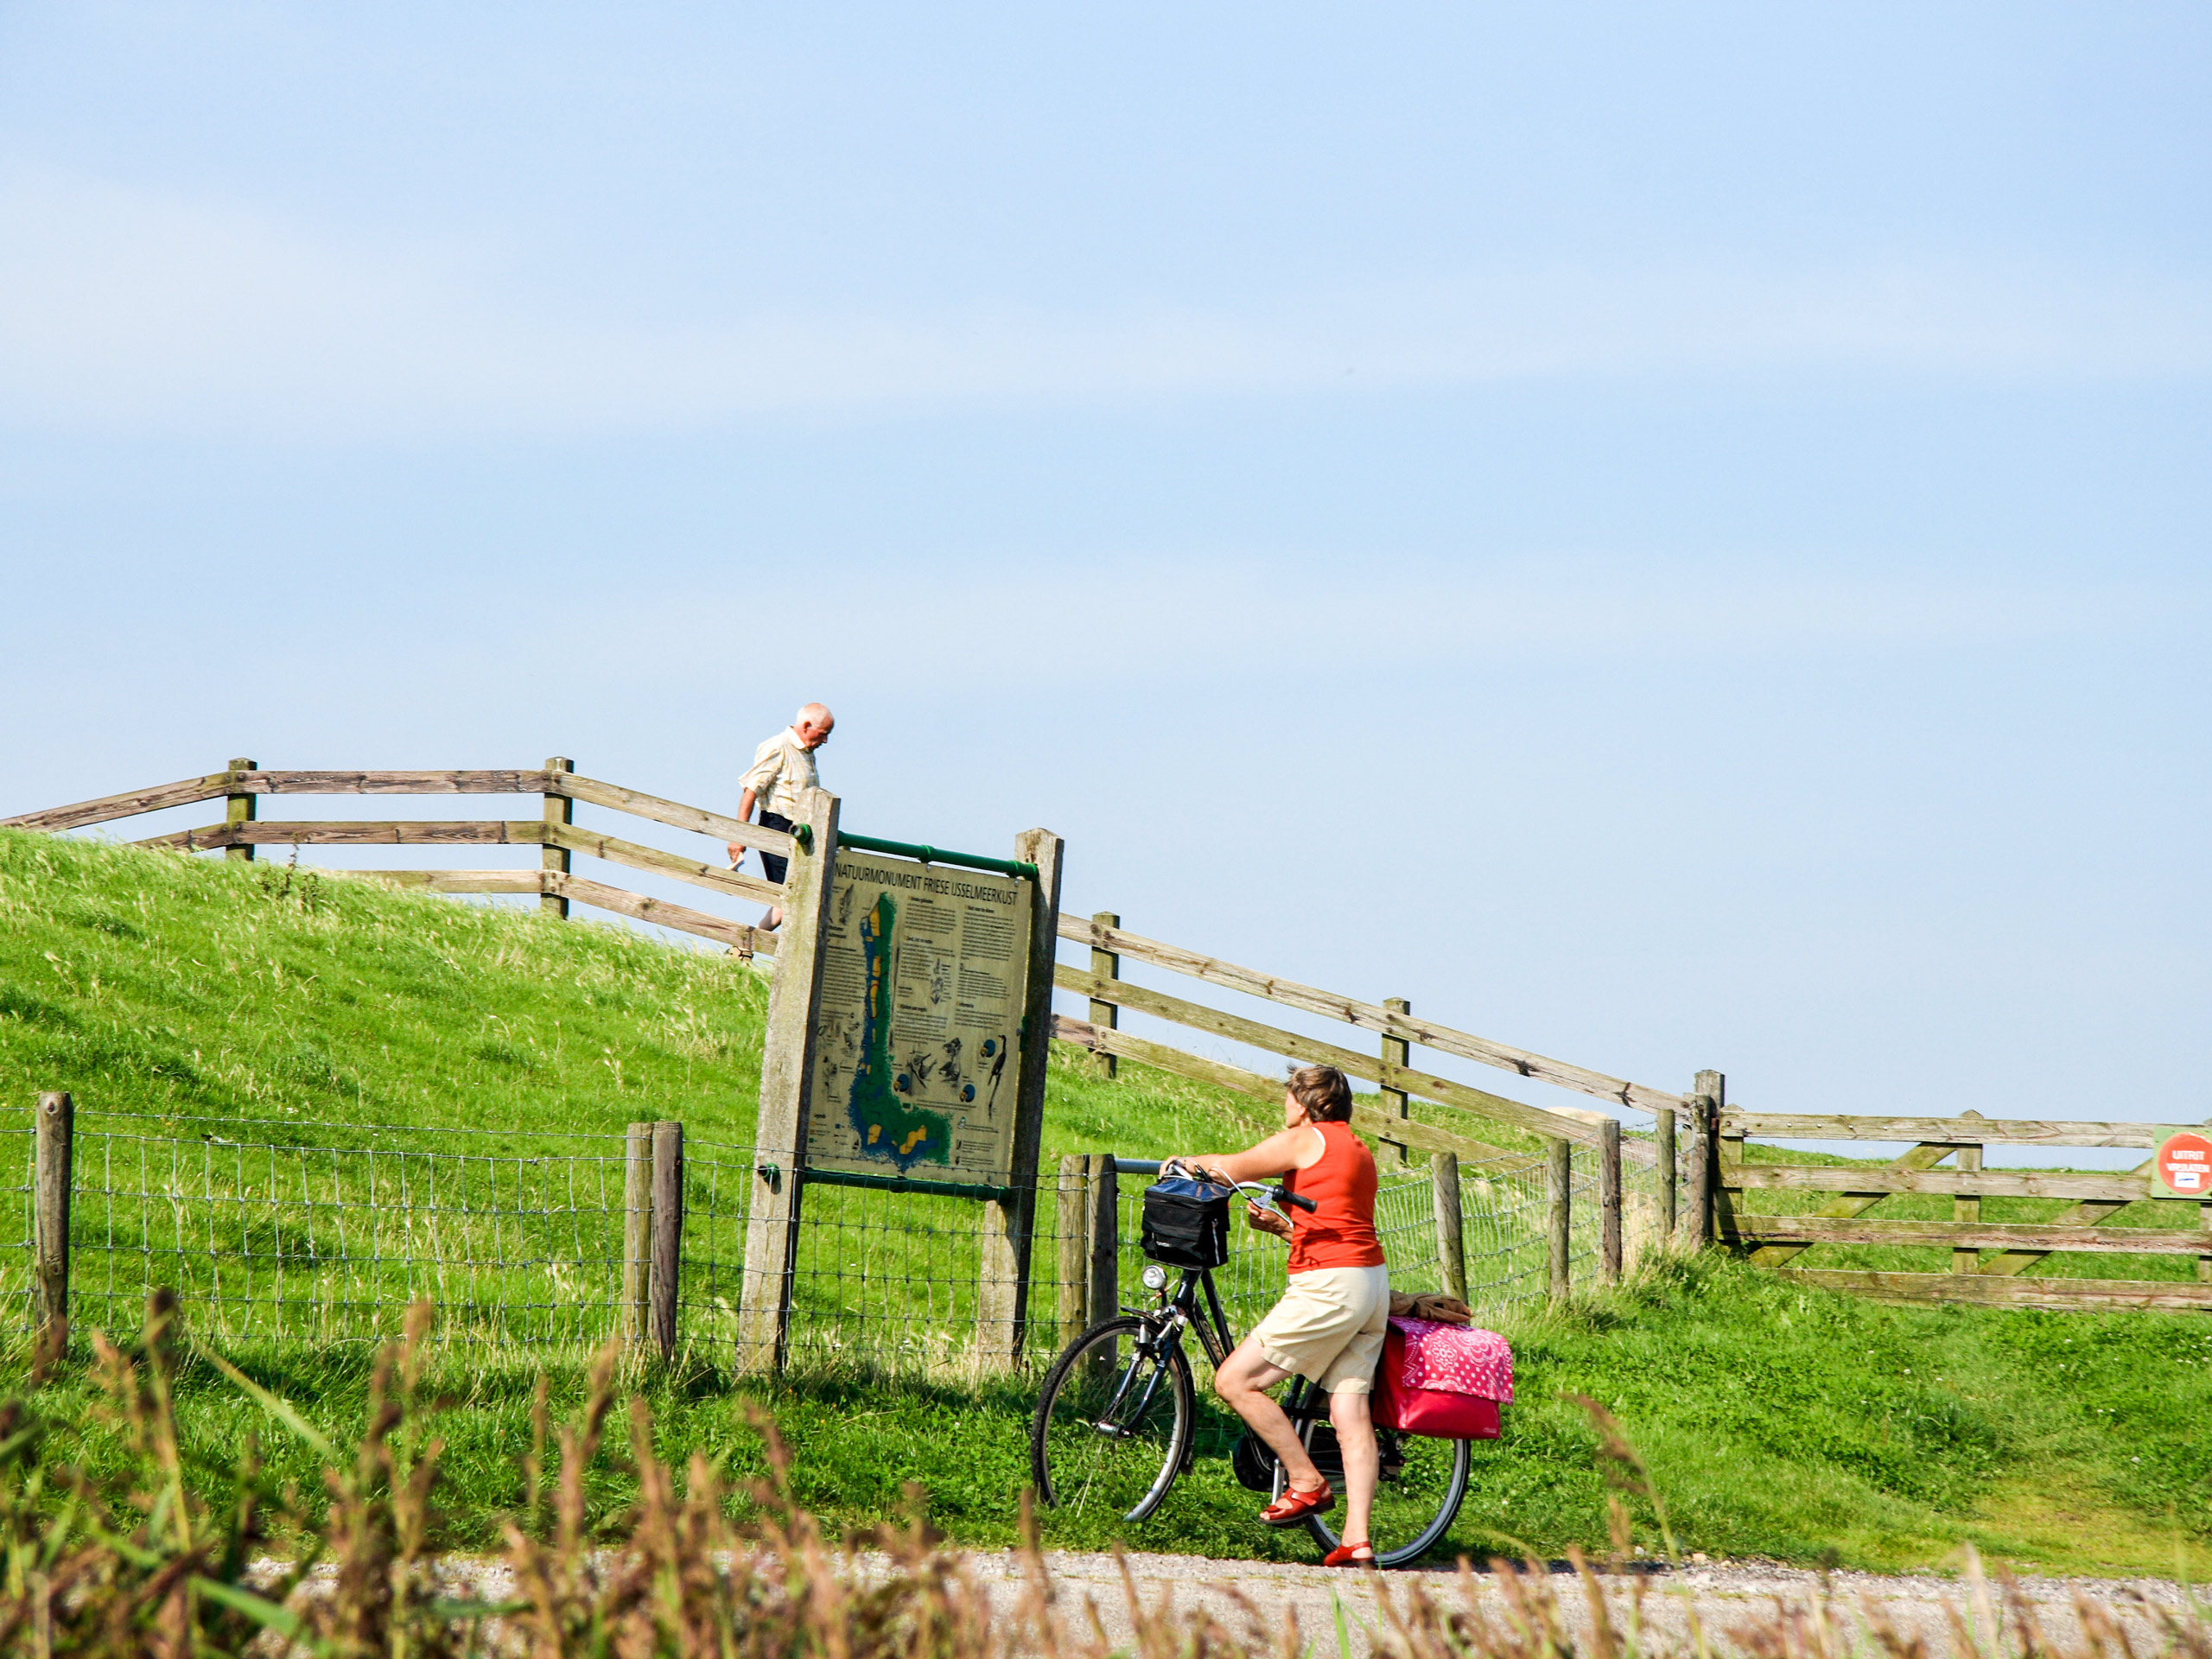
<point x="1457" y="1359"/>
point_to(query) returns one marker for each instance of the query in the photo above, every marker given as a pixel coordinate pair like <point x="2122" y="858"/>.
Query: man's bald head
<point x="813" y="724"/>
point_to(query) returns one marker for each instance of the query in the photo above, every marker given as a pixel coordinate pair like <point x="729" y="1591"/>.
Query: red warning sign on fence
<point x="2184" y="1165"/>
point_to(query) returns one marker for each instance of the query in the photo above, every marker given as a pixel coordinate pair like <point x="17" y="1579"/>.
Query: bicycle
<point x="1110" y="1436"/>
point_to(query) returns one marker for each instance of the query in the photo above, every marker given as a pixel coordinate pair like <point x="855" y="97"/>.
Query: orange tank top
<point x="1340" y="1231"/>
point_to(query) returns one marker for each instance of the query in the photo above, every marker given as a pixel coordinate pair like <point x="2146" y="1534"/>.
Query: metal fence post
<point x="51" y="1186"/>
<point x="1451" y="1238"/>
<point x="637" y="1234"/>
<point x="1558" y="1203"/>
<point x="1662" y="1135"/>
<point x="560" y="813"/>
<point x="1609" y="1200"/>
<point x="1073" y="1218"/>
<point x="668" y="1232"/>
<point x="241" y="808"/>
<point x="1107" y="964"/>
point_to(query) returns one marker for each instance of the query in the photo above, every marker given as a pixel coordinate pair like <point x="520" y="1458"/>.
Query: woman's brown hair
<point x="1324" y="1092"/>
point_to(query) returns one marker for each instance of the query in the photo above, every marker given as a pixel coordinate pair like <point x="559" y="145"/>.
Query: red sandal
<point x="1349" y="1555"/>
<point x="1294" y="1506"/>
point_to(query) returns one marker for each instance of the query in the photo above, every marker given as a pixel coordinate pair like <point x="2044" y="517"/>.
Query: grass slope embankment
<point x="1777" y="1421"/>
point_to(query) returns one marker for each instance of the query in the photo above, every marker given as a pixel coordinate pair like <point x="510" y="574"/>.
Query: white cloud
<point x="125" y="308"/>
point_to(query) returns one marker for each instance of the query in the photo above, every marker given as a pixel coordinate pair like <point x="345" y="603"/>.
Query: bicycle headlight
<point x="1155" y="1277"/>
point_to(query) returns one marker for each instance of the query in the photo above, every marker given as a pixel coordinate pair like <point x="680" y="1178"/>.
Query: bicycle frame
<point x="1182" y="1312"/>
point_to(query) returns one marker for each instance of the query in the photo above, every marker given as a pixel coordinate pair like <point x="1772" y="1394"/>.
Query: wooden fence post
<point x="1107" y="964"/>
<point x="1002" y="1287"/>
<point x="1103" y="1229"/>
<point x="1451" y="1240"/>
<point x="1965" y="1208"/>
<point x="241" y="808"/>
<point x="1399" y="1053"/>
<point x="668" y="1233"/>
<point x="1073" y="1222"/>
<point x="1663" y="1143"/>
<point x="53" y="1159"/>
<point x="1558" y="1203"/>
<point x="786" y="1077"/>
<point x="637" y="1234"/>
<point x="1609" y="1200"/>
<point x="559" y="811"/>
<point x="1725" y="1159"/>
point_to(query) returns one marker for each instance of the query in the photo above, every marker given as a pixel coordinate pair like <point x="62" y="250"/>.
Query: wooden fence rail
<point x="1852" y="1192"/>
<point x="241" y="785"/>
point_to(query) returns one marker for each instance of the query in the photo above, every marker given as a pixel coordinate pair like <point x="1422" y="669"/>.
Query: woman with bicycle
<point x="1330" y="1324"/>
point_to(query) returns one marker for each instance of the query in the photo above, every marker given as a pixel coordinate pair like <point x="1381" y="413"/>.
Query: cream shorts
<point x="1329" y="1327"/>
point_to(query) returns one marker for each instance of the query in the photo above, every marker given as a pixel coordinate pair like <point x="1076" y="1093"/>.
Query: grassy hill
<point x="152" y="983"/>
<point x="1777" y="1421"/>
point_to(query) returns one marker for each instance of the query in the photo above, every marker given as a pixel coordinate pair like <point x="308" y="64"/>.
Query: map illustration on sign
<point x="924" y="972"/>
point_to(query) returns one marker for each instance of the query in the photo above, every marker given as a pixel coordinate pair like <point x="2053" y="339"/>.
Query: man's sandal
<point x="1294" y="1506"/>
<point x="1349" y="1555"/>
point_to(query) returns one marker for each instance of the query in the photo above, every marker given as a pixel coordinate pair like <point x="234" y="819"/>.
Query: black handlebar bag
<point x="1186" y="1221"/>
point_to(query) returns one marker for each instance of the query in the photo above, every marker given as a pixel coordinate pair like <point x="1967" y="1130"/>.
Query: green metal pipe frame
<point x="901" y="1184"/>
<point x="938" y="856"/>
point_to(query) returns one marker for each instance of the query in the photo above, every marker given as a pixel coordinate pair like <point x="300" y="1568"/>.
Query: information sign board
<point x="2184" y="1165"/>
<point x="918" y="1031"/>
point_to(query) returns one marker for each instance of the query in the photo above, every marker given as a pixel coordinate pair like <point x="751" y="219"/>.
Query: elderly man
<point x="781" y="767"/>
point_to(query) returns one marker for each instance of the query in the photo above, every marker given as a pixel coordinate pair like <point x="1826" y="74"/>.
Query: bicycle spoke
<point x="1112" y="1426"/>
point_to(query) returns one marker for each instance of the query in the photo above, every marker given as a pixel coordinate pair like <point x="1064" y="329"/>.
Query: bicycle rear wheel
<point x="1114" y="1423"/>
<point x="1422" y="1485"/>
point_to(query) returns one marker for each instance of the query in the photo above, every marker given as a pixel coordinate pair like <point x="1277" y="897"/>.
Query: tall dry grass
<point x="142" y="1564"/>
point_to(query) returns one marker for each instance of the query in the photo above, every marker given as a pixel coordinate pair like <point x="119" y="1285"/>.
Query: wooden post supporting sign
<point x="786" y="1077"/>
<point x="1003" y="1287"/>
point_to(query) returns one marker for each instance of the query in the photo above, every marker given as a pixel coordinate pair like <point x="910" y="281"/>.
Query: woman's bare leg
<point x="1242" y="1382"/>
<point x="1355" y="1429"/>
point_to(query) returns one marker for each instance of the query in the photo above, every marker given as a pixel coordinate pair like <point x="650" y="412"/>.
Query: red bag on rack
<point x="1439" y="1413"/>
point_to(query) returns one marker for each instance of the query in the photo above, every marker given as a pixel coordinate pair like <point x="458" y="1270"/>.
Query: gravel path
<point x="1726" y="1596"/>
<point x="1254" y="1596"/>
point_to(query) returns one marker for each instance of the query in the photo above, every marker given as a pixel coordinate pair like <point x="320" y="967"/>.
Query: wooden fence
<point x="1775" y="1211"/>
<point x="1454" y="1117"/>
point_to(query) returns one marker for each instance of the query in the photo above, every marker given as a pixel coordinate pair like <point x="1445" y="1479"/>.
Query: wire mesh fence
<point x="326" y="1233"/>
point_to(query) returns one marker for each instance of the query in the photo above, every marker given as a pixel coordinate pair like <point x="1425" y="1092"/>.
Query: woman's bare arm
<point x="1286" y="1149"/>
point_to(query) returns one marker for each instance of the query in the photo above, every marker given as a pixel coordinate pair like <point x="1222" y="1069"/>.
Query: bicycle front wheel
<point x="1423" y="1482"/>
<point x="1114" y="1423"/>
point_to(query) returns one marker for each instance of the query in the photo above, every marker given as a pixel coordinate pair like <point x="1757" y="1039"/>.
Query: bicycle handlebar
<point x="1276" y="1194"/>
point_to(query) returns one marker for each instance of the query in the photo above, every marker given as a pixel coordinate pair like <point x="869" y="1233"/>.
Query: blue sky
<point x="1671" y="536"/>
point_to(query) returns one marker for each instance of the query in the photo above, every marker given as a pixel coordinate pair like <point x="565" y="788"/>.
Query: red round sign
<point x="2184" y="1165"/>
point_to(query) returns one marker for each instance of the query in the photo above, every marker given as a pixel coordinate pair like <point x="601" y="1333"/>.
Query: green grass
<point x="176" y="987"/>
<point x="1778" y="1420"/>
